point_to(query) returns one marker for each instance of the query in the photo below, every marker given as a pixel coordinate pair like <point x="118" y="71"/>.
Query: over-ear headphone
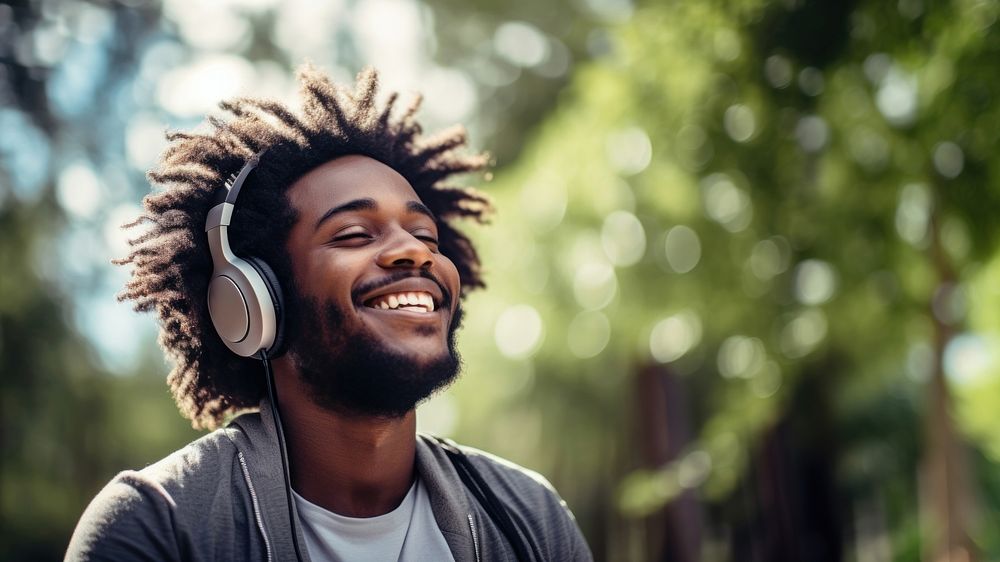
<point x="244" y="301"/>
<point x="244" y="297"/>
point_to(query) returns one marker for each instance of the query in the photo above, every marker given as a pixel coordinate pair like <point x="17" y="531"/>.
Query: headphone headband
<point x="222" y="213"/>
<point x="237" y="183"/>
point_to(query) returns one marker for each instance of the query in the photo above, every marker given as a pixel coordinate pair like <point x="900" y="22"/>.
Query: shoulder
<point x="531" y="498"/>
<point x="510" y="480"/>
<point x="138" y="513"/>
<point x="186" y="474"/>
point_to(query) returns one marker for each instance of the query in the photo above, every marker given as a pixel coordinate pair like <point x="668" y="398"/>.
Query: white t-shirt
<point x="408" y="533"/>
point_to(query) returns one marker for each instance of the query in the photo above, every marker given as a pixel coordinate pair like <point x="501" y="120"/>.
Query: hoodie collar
<point x="255" y="435"/>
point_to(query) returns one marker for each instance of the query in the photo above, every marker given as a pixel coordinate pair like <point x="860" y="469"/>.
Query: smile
<point x="418" y="301"/>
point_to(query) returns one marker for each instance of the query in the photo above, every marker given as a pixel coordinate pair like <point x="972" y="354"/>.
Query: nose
<point x="402" y="249"/>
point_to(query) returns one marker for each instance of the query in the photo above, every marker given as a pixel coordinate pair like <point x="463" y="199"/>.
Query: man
<point x="350" y="288"/>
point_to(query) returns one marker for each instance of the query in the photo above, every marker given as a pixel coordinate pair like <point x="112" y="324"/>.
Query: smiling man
<point x="312" y="301"/>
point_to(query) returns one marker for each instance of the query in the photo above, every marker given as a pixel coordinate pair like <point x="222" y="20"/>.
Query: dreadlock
<point x="171" y="263"/>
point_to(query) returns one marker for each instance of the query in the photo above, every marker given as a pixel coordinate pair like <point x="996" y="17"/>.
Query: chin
<point x="357" y="369"/>
<point x="421" y="356"/>
<point x="358" y="374"/>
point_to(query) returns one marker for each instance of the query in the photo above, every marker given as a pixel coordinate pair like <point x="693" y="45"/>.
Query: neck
<point x="355" y="466"/>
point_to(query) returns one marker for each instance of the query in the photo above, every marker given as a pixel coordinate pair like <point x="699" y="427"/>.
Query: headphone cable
<point x="272" y="396"/>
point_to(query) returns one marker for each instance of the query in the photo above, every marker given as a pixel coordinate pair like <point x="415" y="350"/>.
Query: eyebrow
<point x="369" y="204"/>
<point x="366" y="204"/>
<point x="418" y="207"/>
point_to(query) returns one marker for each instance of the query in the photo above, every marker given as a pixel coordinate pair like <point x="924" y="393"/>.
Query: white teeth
<point x="417" y="302"/>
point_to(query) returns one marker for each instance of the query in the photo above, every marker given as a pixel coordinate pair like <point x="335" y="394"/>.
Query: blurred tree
<point x="67" y="424"/>
<point x="521" y="54"/>
<point x="780" y="202"/>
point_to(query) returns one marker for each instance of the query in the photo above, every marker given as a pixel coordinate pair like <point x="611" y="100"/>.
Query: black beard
<point x="350" y="373"/>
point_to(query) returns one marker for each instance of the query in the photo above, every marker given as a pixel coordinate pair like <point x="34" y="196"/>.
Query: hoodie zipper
<point x="475" y="537"/>
<point x="256" y="506"/>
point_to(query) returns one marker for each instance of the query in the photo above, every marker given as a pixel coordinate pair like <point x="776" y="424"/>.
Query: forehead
<point x="346" y="179"/>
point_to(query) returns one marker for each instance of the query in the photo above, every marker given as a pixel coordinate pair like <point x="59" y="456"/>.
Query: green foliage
<point x="809" y="185"/>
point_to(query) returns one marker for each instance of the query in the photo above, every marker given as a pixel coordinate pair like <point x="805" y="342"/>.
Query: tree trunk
<point x="947" y="501"/>
<point x="675" y="532"/>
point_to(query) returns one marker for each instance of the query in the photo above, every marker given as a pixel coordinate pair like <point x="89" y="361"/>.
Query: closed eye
<point x="352" y="236"/>
<point x="429" y="239"/>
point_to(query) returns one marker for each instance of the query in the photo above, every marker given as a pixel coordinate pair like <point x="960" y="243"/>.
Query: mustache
<point x="376" y="284"/>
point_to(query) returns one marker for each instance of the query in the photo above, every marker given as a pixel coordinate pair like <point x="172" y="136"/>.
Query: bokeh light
<point x="519" y="331"/>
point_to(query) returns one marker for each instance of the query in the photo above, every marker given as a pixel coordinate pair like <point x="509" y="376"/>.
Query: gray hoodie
<point x="223" y="498"/>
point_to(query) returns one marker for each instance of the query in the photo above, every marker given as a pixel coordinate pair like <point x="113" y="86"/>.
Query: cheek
<point x="326" y="276"/>
<point x="449" y="276"/>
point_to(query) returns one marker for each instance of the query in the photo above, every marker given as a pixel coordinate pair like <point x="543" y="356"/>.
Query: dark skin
<point x="360" y="222"/>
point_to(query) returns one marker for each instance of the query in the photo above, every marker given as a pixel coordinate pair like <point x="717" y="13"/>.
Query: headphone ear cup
<point x="242" y="308"/>
<point x="274" y="289"/>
